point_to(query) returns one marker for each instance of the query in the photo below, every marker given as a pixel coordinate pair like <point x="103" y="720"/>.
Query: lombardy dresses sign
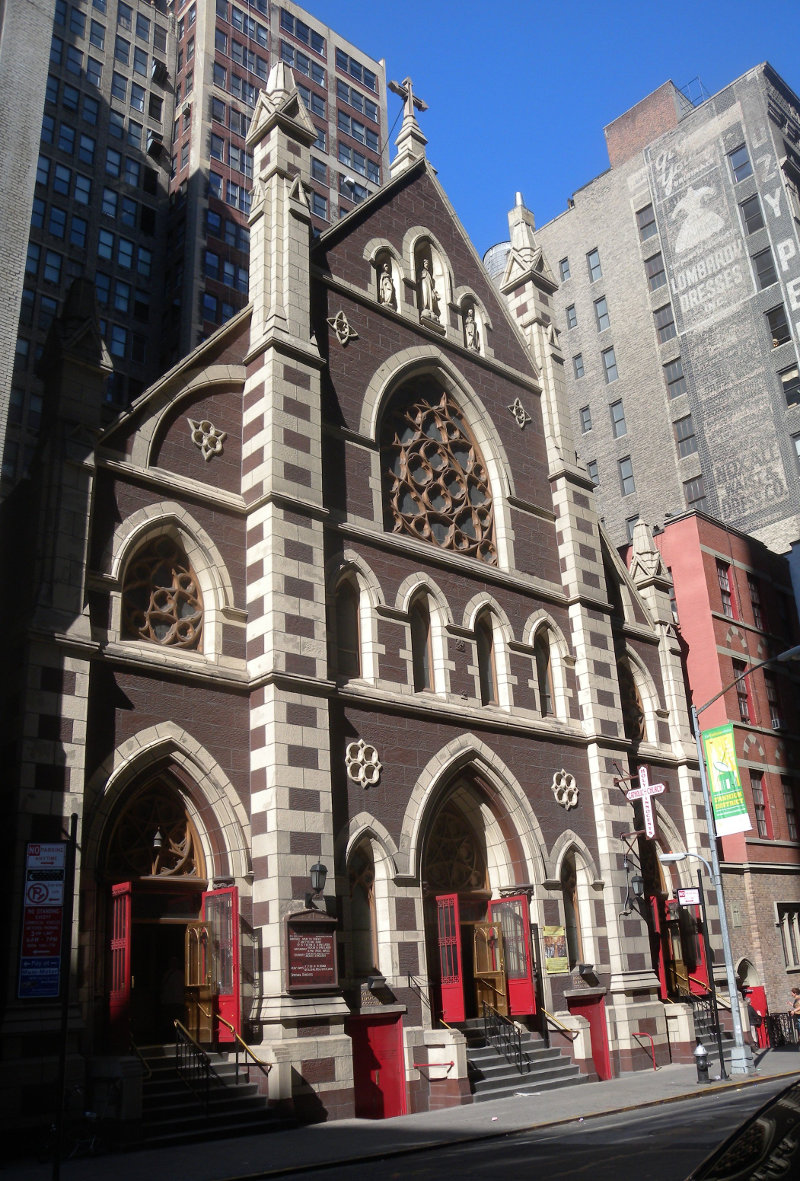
<point x="724" y="784"/>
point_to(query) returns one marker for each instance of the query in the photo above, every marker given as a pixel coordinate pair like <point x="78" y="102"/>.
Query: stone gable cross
<point x="405" y="90"/>
<point x="644" y="792"/>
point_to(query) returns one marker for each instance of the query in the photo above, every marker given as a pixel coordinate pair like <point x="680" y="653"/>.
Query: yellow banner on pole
<point x="724" y="783"/>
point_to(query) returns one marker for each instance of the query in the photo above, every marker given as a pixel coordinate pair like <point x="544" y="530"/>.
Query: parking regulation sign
<point x="689" y="897"/>
<point x="42" y="918"/>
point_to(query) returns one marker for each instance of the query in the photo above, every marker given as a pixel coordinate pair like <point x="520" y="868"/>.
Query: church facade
<point x="333" y="593"/>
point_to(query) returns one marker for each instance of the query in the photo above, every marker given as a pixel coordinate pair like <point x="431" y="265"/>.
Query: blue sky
<point x="519" y="92"/>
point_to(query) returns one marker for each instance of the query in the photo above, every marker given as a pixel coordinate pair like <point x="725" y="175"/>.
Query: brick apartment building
<point x="734" y="608"/>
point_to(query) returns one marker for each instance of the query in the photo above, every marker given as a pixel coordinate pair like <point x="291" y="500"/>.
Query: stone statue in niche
<point x="386" y="292"/>
<point x="428" y="295"/>
<point x="472" y="337"/>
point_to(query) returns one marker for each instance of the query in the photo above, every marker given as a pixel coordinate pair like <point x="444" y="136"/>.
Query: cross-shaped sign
<point x="644" y="792"/>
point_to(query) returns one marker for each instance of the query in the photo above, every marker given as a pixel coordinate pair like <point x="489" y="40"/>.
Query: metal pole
<point x="711" y="981"/>
<point x="66" y="955"/>
<point x="741" y="1057"/>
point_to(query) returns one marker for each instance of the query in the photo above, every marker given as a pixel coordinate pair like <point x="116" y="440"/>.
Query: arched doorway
<point x="478" y="945"/>
<point x="168" y="938"/>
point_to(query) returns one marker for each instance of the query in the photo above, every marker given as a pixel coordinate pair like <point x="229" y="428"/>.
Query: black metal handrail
<point x="781" y="1029"/>
<point x="417" y="986"/>
<point x="242" y="1046"/>
<point x="193" y="1065"/>
<point x="505" y="1037"/>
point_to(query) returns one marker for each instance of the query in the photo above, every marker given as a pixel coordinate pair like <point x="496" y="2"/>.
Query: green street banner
<point x="724" y="784"/>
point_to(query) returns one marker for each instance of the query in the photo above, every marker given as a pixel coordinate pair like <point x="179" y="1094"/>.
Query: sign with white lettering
<point x="311" y="952"/>
<point x="42" y="917"/>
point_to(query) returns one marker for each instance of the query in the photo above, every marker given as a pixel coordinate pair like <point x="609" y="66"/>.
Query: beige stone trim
<point x="142" y="753"/>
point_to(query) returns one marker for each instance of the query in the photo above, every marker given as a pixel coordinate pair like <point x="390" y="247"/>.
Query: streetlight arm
<point x="783" y="657"/>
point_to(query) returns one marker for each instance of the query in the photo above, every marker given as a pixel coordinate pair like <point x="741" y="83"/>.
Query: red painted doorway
<point x="379" y="1076"/>
<point x="593" y="1008"/>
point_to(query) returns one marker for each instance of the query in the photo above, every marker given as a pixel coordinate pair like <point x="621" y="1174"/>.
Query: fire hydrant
<point x="701" y="1062"/>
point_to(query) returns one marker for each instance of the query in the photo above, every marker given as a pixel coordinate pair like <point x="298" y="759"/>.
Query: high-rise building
<point x="678" y="303"/>
<point x="143" y="179"/>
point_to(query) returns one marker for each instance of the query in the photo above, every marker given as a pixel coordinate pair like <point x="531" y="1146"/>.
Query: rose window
<point x="161" y="599"/>
<point x="436" y="481"/>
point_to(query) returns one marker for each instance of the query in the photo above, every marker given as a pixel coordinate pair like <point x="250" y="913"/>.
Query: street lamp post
<point x="741" y="1057"/>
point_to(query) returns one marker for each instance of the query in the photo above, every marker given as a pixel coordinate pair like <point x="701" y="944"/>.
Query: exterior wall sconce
<point x="318" y="875"/>
<point x="637" y="886"/>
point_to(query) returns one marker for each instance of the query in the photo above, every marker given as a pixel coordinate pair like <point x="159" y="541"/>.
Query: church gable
<point x="411" y="227"/>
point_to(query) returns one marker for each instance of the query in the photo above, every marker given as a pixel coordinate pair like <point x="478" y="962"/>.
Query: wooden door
<point x="514" y="917"/>
<point x="379" y="1077"/>
<point x="200" y="973"/>
<point x="593" y="1008"/>
<point x="488" y="967"/>
<point x="221" y="912"/>
<point x="119" y="997"/>
<point x="451" y="975"/>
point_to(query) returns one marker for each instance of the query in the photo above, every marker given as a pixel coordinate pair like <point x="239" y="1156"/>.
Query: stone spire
<point x="410" y="143"/>
<point x="280" y="136"/>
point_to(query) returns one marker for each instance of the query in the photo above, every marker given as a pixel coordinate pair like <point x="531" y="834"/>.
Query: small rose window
<point x="161" y="600"/>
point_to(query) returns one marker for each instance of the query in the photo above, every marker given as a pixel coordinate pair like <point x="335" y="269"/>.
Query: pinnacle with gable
<point x="525" y="258"/>
<point x="280" y="101"/>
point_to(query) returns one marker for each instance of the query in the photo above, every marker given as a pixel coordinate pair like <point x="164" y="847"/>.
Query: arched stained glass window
<point x="544" y="674"/>
<point x="632" y="709"/>
<point x="435" y="481"/>
<point x="348" y="630"/>
<point x="161" y="600"/>
<point x="487" y="669"/>
<point x="420" y="621"/>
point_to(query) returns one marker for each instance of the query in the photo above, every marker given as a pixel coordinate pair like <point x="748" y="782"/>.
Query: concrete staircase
<point x="172" y="1113"/>
<point x="492" y="1076"/>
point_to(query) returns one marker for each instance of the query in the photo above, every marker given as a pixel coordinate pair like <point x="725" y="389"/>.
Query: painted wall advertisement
<point x="43" y="912"/>
<point x="724" y="784"/>
<point x="555" y="949"/>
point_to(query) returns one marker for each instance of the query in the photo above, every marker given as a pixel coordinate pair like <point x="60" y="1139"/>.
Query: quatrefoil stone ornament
<point x="206" y="436"/>
<point x="565" y="789"/>
<point x="341" y="326"/>
<point x="362" y="762"/>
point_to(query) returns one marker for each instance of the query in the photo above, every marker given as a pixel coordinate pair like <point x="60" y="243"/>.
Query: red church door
<point x="119" y="999"/>
<point x="221" y="913"/>
<point x="450" y="967"/>
<point x="514" y="919"/>
<point x="379" y="1076"/>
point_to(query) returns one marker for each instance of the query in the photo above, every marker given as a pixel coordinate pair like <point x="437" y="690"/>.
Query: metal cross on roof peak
<point x="406" y="92"/>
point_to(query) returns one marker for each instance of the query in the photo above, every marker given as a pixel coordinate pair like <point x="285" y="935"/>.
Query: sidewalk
<point x="277" y="1153"/>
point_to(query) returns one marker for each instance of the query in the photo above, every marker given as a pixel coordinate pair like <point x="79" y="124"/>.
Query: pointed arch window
<point x="348" y="629"/>
<point x="633" y="716"/>
<point x="487" y="665"/>
<point x="421" y="648"/>
<point x="544" y="674"/>
<point x="153" y="836"/>
<point x="436" y="487"/>
<point x="161" y="599"/>
<point x="569" y="897"/>
<point x="362" y="911"/>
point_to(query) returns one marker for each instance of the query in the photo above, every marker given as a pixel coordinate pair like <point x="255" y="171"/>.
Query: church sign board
<point x="311" y="963"/>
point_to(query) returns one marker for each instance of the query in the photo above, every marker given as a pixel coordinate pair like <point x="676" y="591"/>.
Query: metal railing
<point x="505" y="1037"/>
<point x="781" y="1029"/>
<point x="241" y="1045"/>
<point x="571" y="1033"/>
<point x="420" y="989"/>
<point x="145" y="1065"/>
<point x="193" y="1065"/>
